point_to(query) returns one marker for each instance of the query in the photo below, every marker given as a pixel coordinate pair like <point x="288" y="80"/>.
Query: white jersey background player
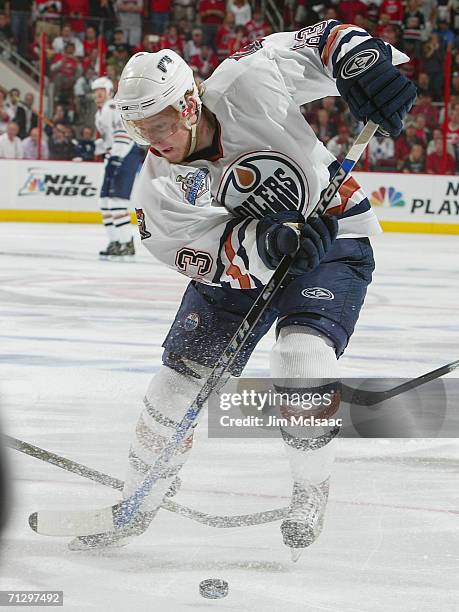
<point x="229" y="167"/>
<point x="121" y="165"/>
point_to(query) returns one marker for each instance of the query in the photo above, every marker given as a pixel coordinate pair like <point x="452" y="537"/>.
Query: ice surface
<point x="80" y="340"/>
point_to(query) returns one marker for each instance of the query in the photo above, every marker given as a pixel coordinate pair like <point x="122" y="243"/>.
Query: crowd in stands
<point x="205" y="32"/>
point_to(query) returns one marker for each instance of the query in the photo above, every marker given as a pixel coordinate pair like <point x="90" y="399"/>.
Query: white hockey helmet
<point x="103" y="83"/>
<point x="149" y="83"/>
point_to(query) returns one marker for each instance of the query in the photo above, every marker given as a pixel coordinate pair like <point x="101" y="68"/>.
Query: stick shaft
<point x="211" y="520"/>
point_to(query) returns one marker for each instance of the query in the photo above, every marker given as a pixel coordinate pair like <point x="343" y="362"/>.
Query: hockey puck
<point x="213" y="588"/>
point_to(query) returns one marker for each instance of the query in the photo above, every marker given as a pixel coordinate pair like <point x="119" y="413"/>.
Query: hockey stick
<point x="212" y="520"/>
<point x="357" y="397"/>
<point x="370" y="398"/>
<point x="113" y="518"/>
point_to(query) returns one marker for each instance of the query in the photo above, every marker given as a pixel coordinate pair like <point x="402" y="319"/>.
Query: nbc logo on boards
<point x="387" y="197"/>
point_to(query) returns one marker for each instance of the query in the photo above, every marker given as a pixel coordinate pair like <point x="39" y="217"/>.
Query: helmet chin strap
<point x="194" y="134"/>
<point x="194" y="139"/>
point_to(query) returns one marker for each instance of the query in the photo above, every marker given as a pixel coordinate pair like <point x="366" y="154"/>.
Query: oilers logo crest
<point x="194" y="184"/>
<point x="263" y="182"/>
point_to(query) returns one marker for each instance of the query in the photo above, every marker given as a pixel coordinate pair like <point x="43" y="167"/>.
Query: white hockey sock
<point x="168" y="397"/>
<point x="121" y="219"/>
<point x="107" y="219"/>
<point x="301" y="359"/>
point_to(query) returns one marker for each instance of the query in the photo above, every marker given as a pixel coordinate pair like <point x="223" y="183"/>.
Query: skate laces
<point x="308" y="502"/>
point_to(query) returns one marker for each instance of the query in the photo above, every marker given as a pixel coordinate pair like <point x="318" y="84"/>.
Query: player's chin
<point x="173" y="155"/>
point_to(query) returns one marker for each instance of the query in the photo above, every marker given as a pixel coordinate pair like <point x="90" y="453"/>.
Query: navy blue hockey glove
<point x="374" y="88"/>
<point x="312" y="240"/>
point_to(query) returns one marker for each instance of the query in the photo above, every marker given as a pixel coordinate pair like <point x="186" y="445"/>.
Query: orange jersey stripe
<point x="326" y="51"/>
<point x="346" y="191"/>
<point x="233" y="270"/>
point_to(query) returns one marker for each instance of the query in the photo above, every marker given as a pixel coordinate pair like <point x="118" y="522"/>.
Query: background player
<point x="121" y="164"/>
<point x="230" y="166"/>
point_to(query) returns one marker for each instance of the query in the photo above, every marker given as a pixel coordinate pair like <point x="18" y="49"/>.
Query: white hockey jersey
<point x="114" y="140"/>
<point x="267" y="158"/>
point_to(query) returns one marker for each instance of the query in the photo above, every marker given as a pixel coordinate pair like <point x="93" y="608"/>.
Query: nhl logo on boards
<point x="263" y="182"/>
<point x="191" y="322"/>
<point x="359" y="63"/>
<point x="318" y="293"/>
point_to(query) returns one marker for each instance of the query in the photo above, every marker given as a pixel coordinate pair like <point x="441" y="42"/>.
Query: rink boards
<point x="68" y="192"/>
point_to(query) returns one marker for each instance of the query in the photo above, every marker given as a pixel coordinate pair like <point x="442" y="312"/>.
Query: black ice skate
<point x="305" y="520"/>
<point x="127" y="250"/>
<point x="122" y="537"/>
<point x="112" y="250"/>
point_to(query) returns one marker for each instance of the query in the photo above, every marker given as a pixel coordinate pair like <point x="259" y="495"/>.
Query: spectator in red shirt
<point x="172" y="40"/>
<point x="91" y="41"/>
<point x="382" y="25"/>
<point x="66" y="69"/>
<point x="436" y="164"/>
<point x="422" y="132"/>
<point x="78" y="10"/>
<point x="160" y="15"/>
<point x="211" y="16"/>
<point x="438" y="135"/>
<point x="404" y="142"/>
<point x="225" y="35"/>
<point x="151" y="43"/>
<point x="391" y="35"/>
<point x="93" y="61"/>
<point x="425" y="107"/>
<point x="453" y="128"/>
<point x="411" y="68"/>
<point x="393" y="8"/>
<point x="35" y="46"/>
<point x="239" y="41"/>
<point x="205" y="63"/>
<point x="348" y="9"/>
<point x="257" y="27"/>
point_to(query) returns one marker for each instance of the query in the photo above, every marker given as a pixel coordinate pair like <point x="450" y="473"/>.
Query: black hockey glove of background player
<point x="374" y="88"/>
<point x="312" y="240"/>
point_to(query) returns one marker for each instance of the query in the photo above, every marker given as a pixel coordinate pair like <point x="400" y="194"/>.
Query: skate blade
<point x="122" y="258"/>
<point x="98" y="542"/>
<point x="295" y="554"/>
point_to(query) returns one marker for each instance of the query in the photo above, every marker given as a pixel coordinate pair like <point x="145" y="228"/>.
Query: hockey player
<point x="230" y="166"/>
<point x="121" y="165"/>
